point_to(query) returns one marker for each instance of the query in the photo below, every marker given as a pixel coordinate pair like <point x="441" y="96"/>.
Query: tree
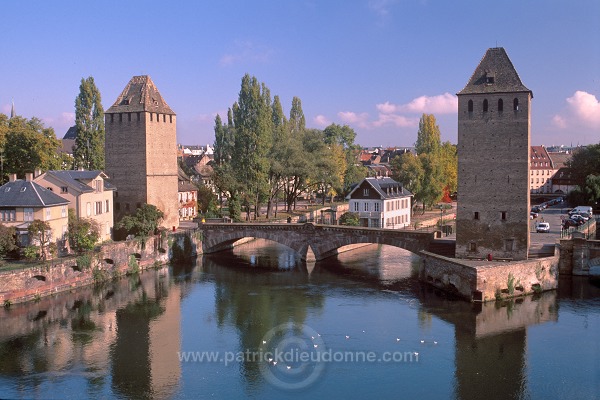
<point x="342" y="135"/>
<point x="143" y="223"/>
<point x="29" y="146"/>
<point x="83" y="233"/>
<point x="428" y="136"/>
<point x="408" y="169"/>
<point x="40" y="234"/>
<point x="207" y="201"/>
<point x="350" y="219"/>
<point x="88" y="151"/>
<point x="7" y="240"/>
<point x="252" y="141"/>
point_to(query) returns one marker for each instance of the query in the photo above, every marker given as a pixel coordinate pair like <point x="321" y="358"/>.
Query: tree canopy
<point x="88" y="151"/>
<point x="28" y="145"/>
<point x="585" y="167"/>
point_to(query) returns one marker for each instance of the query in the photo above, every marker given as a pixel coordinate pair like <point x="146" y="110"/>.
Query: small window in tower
<point x="485" y="105"/>
<point x="164" y="117"/>
<point x="472" y="246"/>
<point x="503" y="215"/>
<point x="509" y="244"/>
<point x="490" y="78"/>
<point x="120" y="117"/>
<point x="476" y="215"/>
<point x="470" y="105"/>
<point x="171" y="119"/>
<point x="157" y="117"/>
<point x="112" y="117"/>
<point x="150" y="117"/>
<point x="516" y="104"/>
<point x="129" y="117"/>
<point x="500" y="105"/>
<point x="138" y="117"/>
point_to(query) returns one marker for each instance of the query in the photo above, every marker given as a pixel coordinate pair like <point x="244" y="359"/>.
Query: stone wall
<point x="112" y="260"/>
<point x="489" y="280"/>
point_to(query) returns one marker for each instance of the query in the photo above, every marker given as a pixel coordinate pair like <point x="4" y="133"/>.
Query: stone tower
<point x="141" y="151"/>
<point x="493" y="161"/>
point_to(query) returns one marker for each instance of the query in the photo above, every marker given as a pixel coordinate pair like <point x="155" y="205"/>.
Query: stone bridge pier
<point x="324" y="240"/>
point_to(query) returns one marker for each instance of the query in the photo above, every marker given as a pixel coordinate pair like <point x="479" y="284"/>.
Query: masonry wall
<point x="493" y="177"/>
<point x="141" y="161"/>
<point x="488" y="281"/>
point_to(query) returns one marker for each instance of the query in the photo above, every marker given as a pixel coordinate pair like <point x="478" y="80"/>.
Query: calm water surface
<point x="366" y="328"/>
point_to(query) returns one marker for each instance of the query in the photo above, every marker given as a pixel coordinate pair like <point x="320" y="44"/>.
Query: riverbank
<point x="109" y="261"/>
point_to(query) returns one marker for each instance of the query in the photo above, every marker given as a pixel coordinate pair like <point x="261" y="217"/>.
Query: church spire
<point x="12" y="110"/>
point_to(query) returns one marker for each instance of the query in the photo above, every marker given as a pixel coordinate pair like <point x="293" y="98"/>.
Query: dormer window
<point x="490" y="78"/>
<point x="365" y="192"/>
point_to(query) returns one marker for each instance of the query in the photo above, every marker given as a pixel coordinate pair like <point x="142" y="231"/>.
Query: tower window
<point x="150" y="117"/>
<point x="470" y="106"/>
<point x="138" y="117"/>
<point x="485" y="105"/>
<point x="472" y="246"/>
<point x="476" y="215"/>
<point x="516" y="104"/>
<point x="503" y="215"/>
<point x="500" y="105"/>
<point x="129" y="117"/>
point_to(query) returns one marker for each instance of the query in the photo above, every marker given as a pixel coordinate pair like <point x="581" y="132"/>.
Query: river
<point x="257" y="323"/>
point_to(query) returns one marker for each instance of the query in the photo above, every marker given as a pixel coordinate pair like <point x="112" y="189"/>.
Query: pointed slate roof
<point x="22" y="193"/>
<point x="495" y="74"/>
<point x="140" y="95"/>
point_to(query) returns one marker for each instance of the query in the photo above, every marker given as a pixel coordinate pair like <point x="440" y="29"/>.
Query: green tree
<point x="7" y="240"/>
<point x="29" y="146"/>
<point x="350" y="219"/>
<point x="40" y="234"/>
<point x="408" y="169"/>
<point x="143" y="223"/>
<point x="88" y="151"/>
<point x="297" y="121"/>
<point x="207" y="201"/>
<point x="83" y="233"/>
<point x="342" y="135"/>
<point x="428" y="136"/>
<point x="252" y="142"/>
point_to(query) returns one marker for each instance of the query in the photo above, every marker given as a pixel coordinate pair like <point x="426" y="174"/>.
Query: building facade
<point x="494" y="124"/>
<point x="141" y="151"/>
<point x="23" y="201"/>
<point x="381" y="203"/>
<point x="541" y="170"/>
<point x="89" y="194"/>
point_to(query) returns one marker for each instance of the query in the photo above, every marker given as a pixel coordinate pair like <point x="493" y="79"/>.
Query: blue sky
<point x="375" y="65"/>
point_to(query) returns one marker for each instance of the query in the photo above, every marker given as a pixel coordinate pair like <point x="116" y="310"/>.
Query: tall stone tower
<point x="141" y="151"/>
<point x="493" y="161"/>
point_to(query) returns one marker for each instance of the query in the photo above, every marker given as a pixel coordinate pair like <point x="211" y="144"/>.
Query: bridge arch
<point x="324" y="240"/>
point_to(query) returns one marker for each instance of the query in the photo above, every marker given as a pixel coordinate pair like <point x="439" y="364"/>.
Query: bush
<point x="31" y="253"/>
<point x="350" y="219"/>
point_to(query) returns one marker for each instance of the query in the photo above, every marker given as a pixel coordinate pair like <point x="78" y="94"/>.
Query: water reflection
<point x="274" y="292"/>
<point x="69" y="335"/>
<point x="122" y="340"/>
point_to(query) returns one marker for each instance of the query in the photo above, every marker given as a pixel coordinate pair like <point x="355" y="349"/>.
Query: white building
<point x="381" y="203"/>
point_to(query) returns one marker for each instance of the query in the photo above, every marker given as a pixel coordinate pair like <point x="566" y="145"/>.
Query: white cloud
<point x="361" y="120"/>
<point x="246" y="52"/>
<point x="585" y="106"/>
<point x="322" y="121"/>
<point x="441" y="104"/>
<point x="582" y="112"/>
<point x="397" y="120"/>
<point x="381" y="7"/>
<point x="559" y="121"/>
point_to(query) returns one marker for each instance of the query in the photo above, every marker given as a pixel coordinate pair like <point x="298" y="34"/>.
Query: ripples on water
<point x="124" y="339"/>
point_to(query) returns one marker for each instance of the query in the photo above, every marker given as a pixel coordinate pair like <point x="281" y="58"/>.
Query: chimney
<point x="12" y="177"/>
<point x="37" y="172"/>
<point x="29" y="176"/>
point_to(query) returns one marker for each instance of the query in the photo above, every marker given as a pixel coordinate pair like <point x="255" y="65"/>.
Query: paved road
<point x="552" y="215"/>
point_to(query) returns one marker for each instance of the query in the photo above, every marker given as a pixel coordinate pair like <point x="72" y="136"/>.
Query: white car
<point x="543" y="227"/>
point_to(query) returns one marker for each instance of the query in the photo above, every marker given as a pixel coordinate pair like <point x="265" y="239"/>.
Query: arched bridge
<point x="324" y="240"/>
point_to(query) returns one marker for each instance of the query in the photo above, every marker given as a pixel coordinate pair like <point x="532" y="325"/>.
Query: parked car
<point x="543" y="227"/>
<point x="578" y="218"/>
<point x="536" y="209"/>
<point x="567" y="223"/>
<point x="533" y="215"/>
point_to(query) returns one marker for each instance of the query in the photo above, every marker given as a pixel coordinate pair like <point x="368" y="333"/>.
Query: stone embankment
<point x="109" y="261"/>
